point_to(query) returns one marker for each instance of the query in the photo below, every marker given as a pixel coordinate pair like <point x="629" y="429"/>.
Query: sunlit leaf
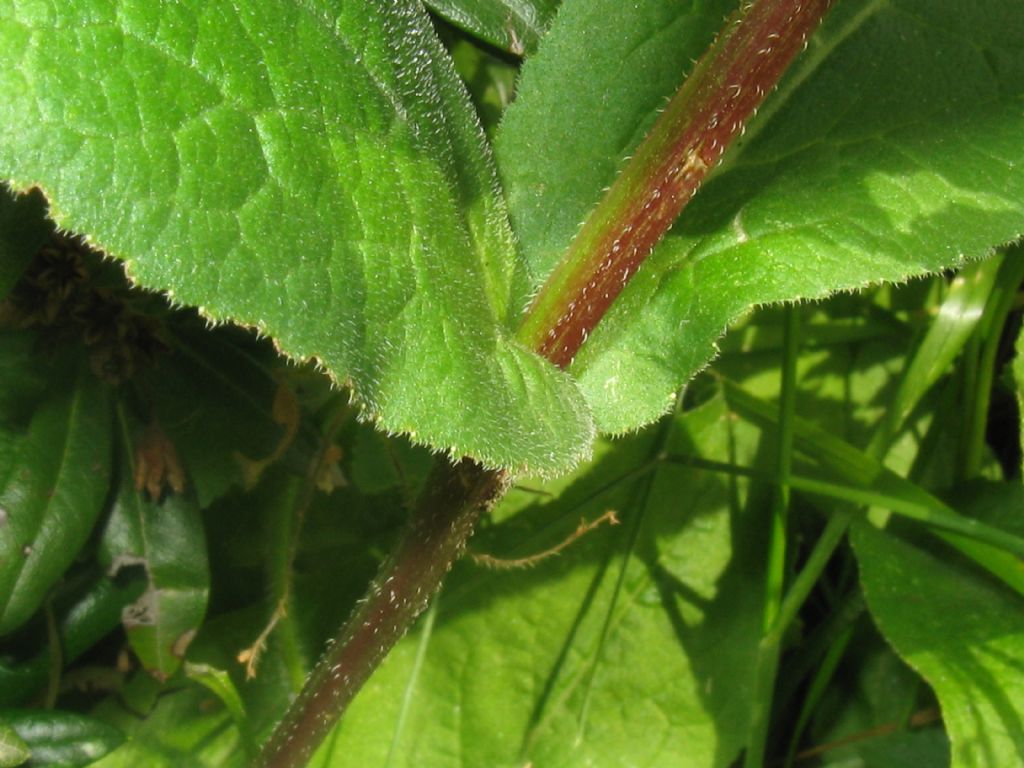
<point x="545" y="664"/>
<point x="318" y="175"/>
<point x="961" y="631"/>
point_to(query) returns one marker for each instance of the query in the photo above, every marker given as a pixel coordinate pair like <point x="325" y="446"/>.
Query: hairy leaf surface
<point x="891" y="149"/>
<point x="319" y="176"/>
<point x="515" y="25"/>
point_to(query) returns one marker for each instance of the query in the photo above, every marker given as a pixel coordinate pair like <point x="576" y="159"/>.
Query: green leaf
<point x="13" y="750"/>
<point x="213" y="398"/>
<point x="92" y="616"/>
<point x="166" y="538"/>
<point x="320" y="177"/>
<point x="514" y="25"/>
<point x="962" y="632"/>
<point x="53" y="482"/>
<point x="218" y="682"/>
<point x="890" y="150"/>
<point x="561" y="665"/>
<point x="1018" y="374"/>
<point x="23" y="229"/>
<point x="955" y="322"/>
<point x="62" y="739"/>
<point x="184" y="727"/>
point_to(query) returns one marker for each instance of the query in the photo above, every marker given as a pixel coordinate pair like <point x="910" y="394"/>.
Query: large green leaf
<point x="53" y="482"/>
<point x="166" y="539"/>
<point x="891" y="149"/>
<point x="545" y="665"/>
<point x="317" y="175"/>
<point x="962" y="632"/>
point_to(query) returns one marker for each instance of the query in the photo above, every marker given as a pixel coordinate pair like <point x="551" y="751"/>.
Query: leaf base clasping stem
<point x="702" y="120"/>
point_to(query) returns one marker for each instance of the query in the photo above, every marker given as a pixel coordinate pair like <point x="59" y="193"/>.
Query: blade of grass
<point x="990" y="331"/>
<point x="414" y="675"/>
<point x="862" y="471"/>
<point x="769" y="648"/>
<point x="957" y="318"/>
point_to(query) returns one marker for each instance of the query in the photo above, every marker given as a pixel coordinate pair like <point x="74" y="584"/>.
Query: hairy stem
<point x="702" y="120"/>
<point x="444" y="518"/>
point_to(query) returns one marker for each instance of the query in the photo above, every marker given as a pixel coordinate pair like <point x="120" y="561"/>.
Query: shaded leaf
<point x="515" y="669"/>
<point x="218" y="682"/>
<point x="962" y="632"/>
<point x="890" y="150"/>
<point x="185" y="727"/>
<point x="320" y="177"/>
<point x="213" y="399"/>
<point x="165" y="537"/>
<point x="53" y="482"/>
<point x="23" y="229"/>
<point x="92" y="616"/>
<point x="62" y="738"/>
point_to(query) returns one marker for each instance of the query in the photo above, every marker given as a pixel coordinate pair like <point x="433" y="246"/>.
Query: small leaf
<point x="165" y="538"/>
<point x="513" y="25"/>
<point x="218" y="682"/>
<point x="963" y="633"/>
<point x="62" y="738"/>
<point x="957" y="318"/>
<point x="92" y="616"/>
<point x="13" y="750"/>
<point x="317" y="175"/>
<point x="53" y="482"/>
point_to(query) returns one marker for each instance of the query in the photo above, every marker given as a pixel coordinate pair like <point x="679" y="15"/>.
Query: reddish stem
<point x="701" y="121"/>
<point x="444" y="518"/>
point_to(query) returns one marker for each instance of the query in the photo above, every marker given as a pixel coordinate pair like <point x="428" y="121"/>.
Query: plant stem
<point x="453" y="499"/>
<point x="701" y="121"/>
<point x="770" y="647"/>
